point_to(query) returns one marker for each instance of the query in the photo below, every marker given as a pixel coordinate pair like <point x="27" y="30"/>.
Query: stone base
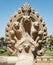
<point x="21" y="59"/>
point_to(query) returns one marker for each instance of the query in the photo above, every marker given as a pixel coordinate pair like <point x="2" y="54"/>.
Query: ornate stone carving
<point x="26" y="35"/>
<point x="26" y="32"/>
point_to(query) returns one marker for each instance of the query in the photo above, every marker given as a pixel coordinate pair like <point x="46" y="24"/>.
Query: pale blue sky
<point x="43" y="7"/>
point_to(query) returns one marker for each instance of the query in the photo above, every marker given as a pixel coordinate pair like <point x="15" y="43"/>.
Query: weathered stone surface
<point x="25" y="33"/>
<point x="26" y="27"/>
<point x="25" y="59"/>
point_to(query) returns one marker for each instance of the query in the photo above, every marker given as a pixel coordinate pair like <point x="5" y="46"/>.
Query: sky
<point x="9" y="7"/>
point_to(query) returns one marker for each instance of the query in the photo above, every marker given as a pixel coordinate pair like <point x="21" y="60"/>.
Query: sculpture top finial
<point x="26" y="6"/>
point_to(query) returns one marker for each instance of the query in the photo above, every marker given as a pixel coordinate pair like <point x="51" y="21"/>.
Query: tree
<point x="50" y="42"/>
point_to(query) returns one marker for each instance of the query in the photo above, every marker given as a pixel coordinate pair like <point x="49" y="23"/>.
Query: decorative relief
<point x="26" y="32"/>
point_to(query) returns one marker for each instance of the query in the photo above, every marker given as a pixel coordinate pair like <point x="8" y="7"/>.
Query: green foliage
<point x="4" y="54"/>
<point x="50" y="42"/>
<point x="49" y="52"/>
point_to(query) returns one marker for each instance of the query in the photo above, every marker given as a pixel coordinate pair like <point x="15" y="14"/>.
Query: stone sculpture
<point x="26" y="35"/>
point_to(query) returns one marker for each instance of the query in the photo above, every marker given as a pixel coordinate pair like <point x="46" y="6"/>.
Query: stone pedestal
<point x="25" y="59"/>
